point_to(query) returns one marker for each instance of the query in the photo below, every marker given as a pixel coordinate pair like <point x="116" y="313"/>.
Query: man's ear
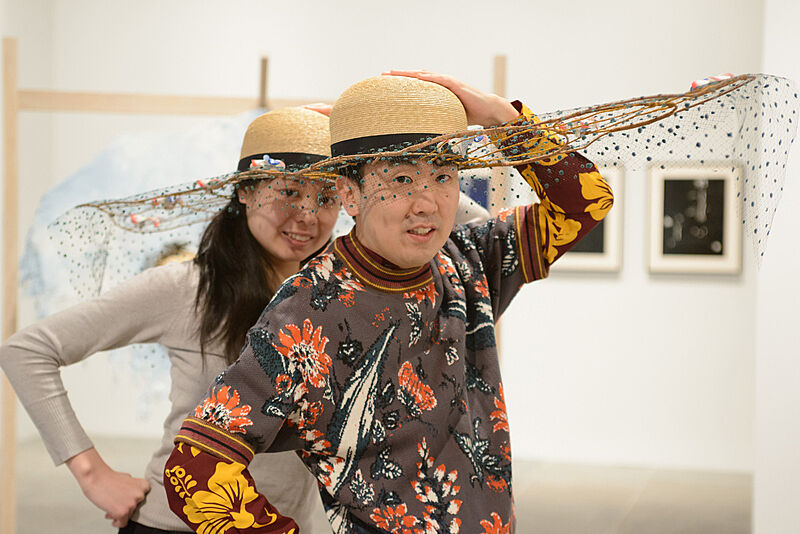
<point x="348" y="194"/>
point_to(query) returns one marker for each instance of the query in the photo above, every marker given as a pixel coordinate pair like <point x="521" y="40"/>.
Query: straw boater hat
<point x="296" y="136"/>
<point x="392" y="111"/>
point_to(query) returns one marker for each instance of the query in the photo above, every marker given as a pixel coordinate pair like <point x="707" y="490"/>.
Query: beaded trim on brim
<point x="745" y="122"/>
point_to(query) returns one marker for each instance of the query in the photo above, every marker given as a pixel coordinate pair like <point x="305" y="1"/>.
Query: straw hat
<point x="388" y="111"/>
<point x="297" y="136"/>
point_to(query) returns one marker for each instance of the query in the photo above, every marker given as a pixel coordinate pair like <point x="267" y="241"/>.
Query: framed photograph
<point x="601" y="249"/>
<point x="694" y="226"/>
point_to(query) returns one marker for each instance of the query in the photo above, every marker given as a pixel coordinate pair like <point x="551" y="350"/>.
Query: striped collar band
<point x="376" y="272"/>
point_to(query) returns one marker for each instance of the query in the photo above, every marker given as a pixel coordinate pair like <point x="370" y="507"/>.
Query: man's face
<point x="404" y="212"/>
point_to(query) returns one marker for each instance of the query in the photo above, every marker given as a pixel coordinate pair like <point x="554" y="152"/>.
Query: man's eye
<point x="402" y="179"/>
<point x="443" y="178"/>
<point x="289" y="192"/>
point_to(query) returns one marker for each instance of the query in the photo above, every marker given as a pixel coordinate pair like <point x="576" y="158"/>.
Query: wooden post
<point x="500" y="75"/>
<point x="8" y="501"/>
<point x="263" y="87"/>
<point x="498" y="183"/>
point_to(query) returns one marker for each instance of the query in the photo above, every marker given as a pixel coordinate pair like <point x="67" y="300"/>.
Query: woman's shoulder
<point x="170" y="277"/>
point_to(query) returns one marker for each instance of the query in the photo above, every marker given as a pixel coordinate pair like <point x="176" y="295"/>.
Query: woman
<point x="201" y="311"/>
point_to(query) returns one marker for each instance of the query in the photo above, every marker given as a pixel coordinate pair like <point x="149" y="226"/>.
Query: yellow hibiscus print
<point x="223" y="506"/>
<point x="594" y="187"/>
<point x="561" y="230"/>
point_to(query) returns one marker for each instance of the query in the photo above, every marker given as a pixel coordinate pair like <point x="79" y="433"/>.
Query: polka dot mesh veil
<point x="745" y="124"/>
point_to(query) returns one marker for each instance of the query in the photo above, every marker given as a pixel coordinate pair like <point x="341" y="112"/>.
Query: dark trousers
<point x="135" y="528"/>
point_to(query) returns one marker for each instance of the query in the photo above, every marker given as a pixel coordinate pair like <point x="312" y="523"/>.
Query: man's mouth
<point x="421" y="231"/>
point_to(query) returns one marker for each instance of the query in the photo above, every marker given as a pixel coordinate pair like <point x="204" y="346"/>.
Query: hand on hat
<point x="484" y="109"/>
<point x="320" y="107"/>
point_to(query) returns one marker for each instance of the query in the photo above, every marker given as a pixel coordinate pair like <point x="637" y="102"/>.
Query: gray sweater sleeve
<point x="470" y="211"/>
<point x="140" y="310"/>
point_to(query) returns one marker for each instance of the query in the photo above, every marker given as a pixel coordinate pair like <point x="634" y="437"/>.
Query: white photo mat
<point x="729" y="259"/>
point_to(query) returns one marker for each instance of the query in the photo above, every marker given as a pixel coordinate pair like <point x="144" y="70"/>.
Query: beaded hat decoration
<point x="745" y="122"/>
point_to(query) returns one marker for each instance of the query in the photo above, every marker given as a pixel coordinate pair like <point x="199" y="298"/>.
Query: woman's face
<point x="291" y="219"/>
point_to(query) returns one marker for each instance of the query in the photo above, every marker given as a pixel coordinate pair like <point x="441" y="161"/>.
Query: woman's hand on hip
<point x="117" y="494"/>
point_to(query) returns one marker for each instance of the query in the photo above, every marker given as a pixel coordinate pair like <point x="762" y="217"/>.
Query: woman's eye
<point x="443" y="178"/>
<point x="402" y="179"/>
<point x="289" y="192"/>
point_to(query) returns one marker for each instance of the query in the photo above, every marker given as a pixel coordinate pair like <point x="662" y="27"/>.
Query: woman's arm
<point x="140" y="310"/>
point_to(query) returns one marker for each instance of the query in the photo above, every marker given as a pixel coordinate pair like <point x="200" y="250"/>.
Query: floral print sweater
<point x="385" y="381"/>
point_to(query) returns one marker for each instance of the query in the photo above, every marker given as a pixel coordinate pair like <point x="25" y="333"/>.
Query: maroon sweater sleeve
<point x="573" y="196"/>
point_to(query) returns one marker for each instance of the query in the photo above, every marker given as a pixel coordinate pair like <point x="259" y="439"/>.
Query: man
<point x="378" y="361"/>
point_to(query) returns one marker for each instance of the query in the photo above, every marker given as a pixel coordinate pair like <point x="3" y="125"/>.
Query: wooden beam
<point x="263" y="88"/>
<point x="8" y="494"/>
<point x="41" y="100"/>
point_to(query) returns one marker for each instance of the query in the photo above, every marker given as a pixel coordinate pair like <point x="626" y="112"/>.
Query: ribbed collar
<point x="374" y="271"/>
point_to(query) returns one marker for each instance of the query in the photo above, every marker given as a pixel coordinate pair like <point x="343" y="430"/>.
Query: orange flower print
<point x="330" y="469"/>
<point x="496" y="526"/>
<point x="448" y="270"/>
<point x="410" y="382"/>
<point x="305" y="349"/>
<point x="500" y="415"/>
<point x="482" y="287"/>
<point x="394" y="519"/>
<point x="283" y="383"/>
<point x="422" y="294"/>
<point x="222" y="409"/>
<point x="505" y="214"/>
<point x="446" y="266"/>
<point x="315" y="443"/>
<point x="496" y="484"/>
<point x="305" y="414"/>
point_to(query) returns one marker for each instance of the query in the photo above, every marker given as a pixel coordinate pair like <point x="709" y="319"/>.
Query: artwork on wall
<point x="694" y="220"/>
<point x="601" y="249"/>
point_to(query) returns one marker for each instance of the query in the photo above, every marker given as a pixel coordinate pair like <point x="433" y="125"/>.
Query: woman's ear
<point x="348" y="194"/>
<point x="241" y="194"/>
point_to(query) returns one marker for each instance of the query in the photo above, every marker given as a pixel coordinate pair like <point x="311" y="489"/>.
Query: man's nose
<point x="423" y="201"/>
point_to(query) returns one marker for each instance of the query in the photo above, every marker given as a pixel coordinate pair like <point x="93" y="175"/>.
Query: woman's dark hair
<point x="234" y="288"/>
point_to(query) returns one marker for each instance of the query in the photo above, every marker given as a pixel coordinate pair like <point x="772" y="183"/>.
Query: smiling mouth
<point x="302" y="238"/>
<point x="421" y="231"/>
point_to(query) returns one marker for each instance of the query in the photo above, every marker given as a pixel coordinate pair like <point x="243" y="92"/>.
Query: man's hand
<point x="484" y="109"/>
<point x="117" y="494"/>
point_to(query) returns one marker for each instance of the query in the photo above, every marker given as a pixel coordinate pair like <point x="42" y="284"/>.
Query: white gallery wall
<point x="777" y="430"/>
<point x="625" y="368"/>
